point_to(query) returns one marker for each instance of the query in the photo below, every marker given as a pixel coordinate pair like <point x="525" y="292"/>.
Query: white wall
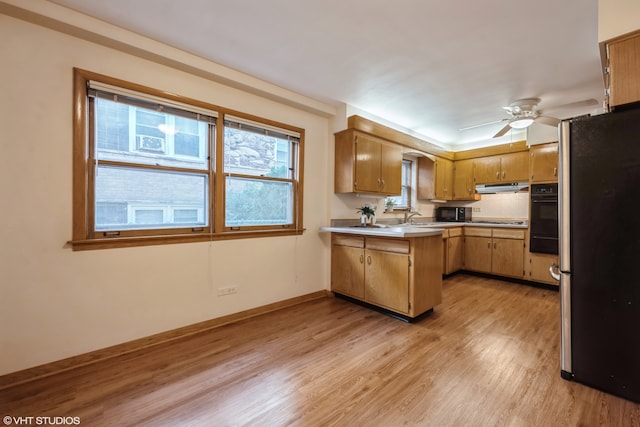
<point x="617" y="17"/>
<point x="56" y="303"/>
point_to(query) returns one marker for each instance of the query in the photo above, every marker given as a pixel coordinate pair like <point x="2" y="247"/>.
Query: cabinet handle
<point x="369" y="260"/>
<point x="361" y="259"/>
<point x="503" y="174"/>
<point x="489" y="245"/>
<point x="494" y="245"/>
<point x="497" y="174"/>
<point x="382" y="184"/>
<point x="555" y="171"/>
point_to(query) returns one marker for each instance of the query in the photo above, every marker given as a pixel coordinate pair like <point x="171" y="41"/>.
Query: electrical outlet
<point x="476" y="209"/>
<point x="227" y="291"/>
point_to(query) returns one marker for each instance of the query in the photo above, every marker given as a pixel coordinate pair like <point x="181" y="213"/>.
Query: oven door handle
<point x="552" y="271"/>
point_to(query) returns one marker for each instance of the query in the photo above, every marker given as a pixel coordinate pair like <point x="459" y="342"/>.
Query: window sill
<point x="126" y="242"/>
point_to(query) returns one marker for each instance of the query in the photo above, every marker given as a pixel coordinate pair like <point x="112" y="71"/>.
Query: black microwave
<point x="453" y="214"/>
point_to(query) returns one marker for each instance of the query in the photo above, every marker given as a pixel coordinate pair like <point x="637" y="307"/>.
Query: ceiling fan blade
<point x="502" y="131"/>
<point x="549" y="121"/>
<point x="482" y="124"/>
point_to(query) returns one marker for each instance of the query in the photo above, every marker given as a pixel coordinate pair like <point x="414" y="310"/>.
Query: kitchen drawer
<point x="508" y="233"/>
<point x="477" y="231"/>
<point x="353" y="241"/>
<point x="388" y="245"/>
<point x="455" y="232"/>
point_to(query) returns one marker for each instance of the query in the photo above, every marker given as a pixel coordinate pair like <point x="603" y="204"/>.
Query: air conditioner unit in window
<point x="150" y="143"/>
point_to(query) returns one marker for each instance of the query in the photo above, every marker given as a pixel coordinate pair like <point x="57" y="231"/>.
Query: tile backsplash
<point x="503" y="205"/>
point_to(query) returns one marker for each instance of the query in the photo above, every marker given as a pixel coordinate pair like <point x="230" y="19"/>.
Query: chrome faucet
<point x="408" y="215"/>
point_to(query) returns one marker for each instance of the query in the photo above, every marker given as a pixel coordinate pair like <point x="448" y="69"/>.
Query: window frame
<point x="84" y="235"/>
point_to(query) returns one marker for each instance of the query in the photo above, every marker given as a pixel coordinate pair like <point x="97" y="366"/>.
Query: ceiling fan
<point x="524" y="112"/>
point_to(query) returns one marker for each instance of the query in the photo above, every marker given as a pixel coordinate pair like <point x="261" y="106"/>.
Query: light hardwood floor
<point x="487" y="356"/>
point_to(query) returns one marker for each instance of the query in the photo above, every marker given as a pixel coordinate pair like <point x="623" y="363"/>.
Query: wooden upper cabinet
<point x="463" y="180"/>
<point x="391" y="169"/>
<point x="543" y="163"/>
<point x="366" y="164"/>
<point x="623" y="54"/>
<point x="509" y="167"/>
<point x="426" y="178"/>
<point x="487" y="170"/>
<point x="443" y="179"/>
<point x="514" y="167"/>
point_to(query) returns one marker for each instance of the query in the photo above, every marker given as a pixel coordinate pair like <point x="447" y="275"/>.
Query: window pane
<point x="112" y="128"/>
<point x="134" y="134"/>
<point x="257" y="202"/>
<point x="185" y="215"/>
<point x="135" y="199"/>
<point x="250" y="153"/>
<point x="404" y="200"/>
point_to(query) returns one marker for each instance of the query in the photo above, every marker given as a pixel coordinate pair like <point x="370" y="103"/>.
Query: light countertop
<point x="388" y="231"/>
<point x="420" y="229"/>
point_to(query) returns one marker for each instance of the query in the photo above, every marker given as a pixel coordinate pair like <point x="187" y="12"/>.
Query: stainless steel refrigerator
<point x="599" y="232"/>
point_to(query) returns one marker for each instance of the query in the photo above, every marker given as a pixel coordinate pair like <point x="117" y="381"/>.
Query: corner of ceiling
<point x="76" y="24"/>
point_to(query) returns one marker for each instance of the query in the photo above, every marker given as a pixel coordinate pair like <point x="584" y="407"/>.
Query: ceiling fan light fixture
<point x="521" y="123"/>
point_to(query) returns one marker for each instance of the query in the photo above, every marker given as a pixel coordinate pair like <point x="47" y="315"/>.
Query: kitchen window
<point x="403" y="201"/>
<point x="145" y="167"/>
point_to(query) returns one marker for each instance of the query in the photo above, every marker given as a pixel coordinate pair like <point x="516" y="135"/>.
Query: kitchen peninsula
<point x="397" y="268"/>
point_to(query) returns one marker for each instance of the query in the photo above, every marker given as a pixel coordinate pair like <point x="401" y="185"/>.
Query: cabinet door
<point x="387" y="280"/>
<point x="538" y="268"/>
<point x="426" y="179"/>
<point x="347" y="270"/>
<point x="543" y="163"/>
<point x="514" y="167"/>
<point x="463" y="184"/>
<point x="487" y="170"/>
<point x="508" y="257"/>
<point x="391" y="170"/>
<point x="367" y="164"/>
<point x="455" y="254"/>
<point x="443" y="179"/>
<point x="477" y="253"/>
<point x="624" y="63"/>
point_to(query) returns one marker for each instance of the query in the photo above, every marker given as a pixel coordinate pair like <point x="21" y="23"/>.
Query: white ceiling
<point x="430" y="67"/>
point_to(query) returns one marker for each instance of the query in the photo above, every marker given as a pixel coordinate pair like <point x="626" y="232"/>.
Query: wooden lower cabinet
<point x="347" y="267"/>
<point x="497" y="251"/>
<point x="387" y="280"/>
<point x="453" y="250"/>
<point x="401" y="275"/>
<point x="507" y="258"/>
<point x="537" y="268"/>
<point x="477" y="249"/>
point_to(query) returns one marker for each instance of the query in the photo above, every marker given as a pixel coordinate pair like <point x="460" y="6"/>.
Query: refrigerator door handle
<point x="565" y="326"/>
<point x="564" y="199"/>
<point x="554" y="271"/>
<point x="564" y="236"/>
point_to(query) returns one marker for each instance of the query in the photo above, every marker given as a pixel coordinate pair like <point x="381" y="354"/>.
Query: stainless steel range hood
<point x="511" y="187"/>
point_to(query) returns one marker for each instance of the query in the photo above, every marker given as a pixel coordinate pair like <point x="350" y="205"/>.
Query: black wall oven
<point x="543" y="219"/>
